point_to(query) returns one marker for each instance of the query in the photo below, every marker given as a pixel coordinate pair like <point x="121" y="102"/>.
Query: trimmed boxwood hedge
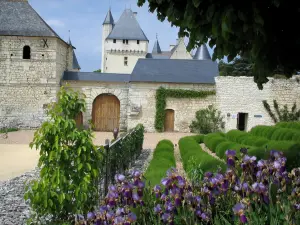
<point x="213" y="140"/>
<point x="234" y="135"/>
<point x="254" y="141"/>
<point x="290" y="125"/>
<point x="163" y="159"/>
<point x="189" y="149"/>
<point x="199" y="138"/>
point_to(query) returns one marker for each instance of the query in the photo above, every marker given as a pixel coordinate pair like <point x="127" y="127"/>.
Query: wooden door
<point x="169" y="120"/>
<point x="106" y="113"/>
<point x="79" y="120"/>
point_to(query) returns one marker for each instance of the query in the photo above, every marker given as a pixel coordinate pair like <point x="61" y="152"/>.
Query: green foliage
<point x="162" y="94"/>
<point x="199" y="138"/>
<point x="98" y="71"/>
<point x="238" y="67"/>
<point x="207" y="121"/>
<point x="234" y="135"/>
<point x="163" y="159"/>
<point x="191" y="150"/>
<point x="283" y="114"/>
<point x="7" y="130"/>
<point x="244" y="29"/>
<point x="213" y="140"/>
<point x="289" y="125"/>
<point x="124" y="151"/>
<point x="69" y="162"/>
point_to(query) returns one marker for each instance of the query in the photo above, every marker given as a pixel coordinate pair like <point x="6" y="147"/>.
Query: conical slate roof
<point x="128" y="28"/>
<point x="75" y="64"/>
<point x="156" y="48"/>
<point x="18" y="18"/>
<point x="202" y="53"/>
<point x="109" y="18"/>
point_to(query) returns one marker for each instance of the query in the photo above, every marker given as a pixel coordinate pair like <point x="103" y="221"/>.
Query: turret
<point x="107" y="27"/>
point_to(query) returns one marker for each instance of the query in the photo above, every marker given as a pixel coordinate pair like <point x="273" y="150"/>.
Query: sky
<point x="84" y="19"/>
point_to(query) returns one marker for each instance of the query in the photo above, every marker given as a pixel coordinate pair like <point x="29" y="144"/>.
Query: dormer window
<point x="125" y="42"/>
<point x="138" y="42"/>
<point x="115" y="41"/>
<point x="26" y="52"/>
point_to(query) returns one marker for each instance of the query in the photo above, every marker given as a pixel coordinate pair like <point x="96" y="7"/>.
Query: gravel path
<point x="179" y="165"/>
<point x="13" y="208"/>
<point x="206" y="149"/>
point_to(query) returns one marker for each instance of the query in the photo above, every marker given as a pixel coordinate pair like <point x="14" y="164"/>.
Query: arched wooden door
<point x="106" y="113"/>
<point x="169" y="120"/>
<point x="79" y="119"/>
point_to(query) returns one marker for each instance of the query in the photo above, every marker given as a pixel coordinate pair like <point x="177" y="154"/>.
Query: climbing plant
<point x="283" y="114"/>
<point x="161" y="98"/>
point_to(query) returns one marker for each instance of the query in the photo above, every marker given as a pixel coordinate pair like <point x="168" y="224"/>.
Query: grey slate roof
<point x="109" y="18"/>
<point x="156" y="48"/>
<point x="18" y="18"/>
<point x="128" y="28"/>
<point x="93" y="76"/>
<point x="75" y="62"/>
<point x="202" y="53"/>
<point x="175" y="71"/>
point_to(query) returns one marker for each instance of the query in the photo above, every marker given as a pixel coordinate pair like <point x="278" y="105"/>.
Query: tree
<point x="260" y="30"/>
<point x="239" y="67"/>
<point x="98" y="71"/>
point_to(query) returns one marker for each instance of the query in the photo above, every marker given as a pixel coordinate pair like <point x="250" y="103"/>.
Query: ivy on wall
<point x="161" y="99"/>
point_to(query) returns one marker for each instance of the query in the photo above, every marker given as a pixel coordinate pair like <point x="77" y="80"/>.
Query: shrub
<point x="254" y="141"/>
<point x="290" y="125"/>
<point x="69" y="162"/>
<point x="213" y="140"/>
<point x="228" y="145"/>
<point x="6" y="130"/>
<point x="190" y="149"/>
<point x="199" y="138"/>
<point x="263" y="131"/>
<point x="207" y="121"/>
<point x="163" y="159"/>
<point x="234" y="135"/>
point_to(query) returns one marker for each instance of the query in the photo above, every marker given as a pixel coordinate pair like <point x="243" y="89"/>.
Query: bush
<point x="234" y="135"/>
<point x="228" y="145"/>
<point x="290" y="125"/>
<point x="163" y="159"/>
<point x="254" y="141"/>
<point x="199" y="138"/>
<point x="191" y="150"/>
<point x="69" y="162"/>
<point x="213" y="140"/>
<point x="207" y="121"/>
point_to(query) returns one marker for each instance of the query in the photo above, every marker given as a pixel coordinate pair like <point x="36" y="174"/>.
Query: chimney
<point x="135" y="14"/>
<point x="171" y="47"/>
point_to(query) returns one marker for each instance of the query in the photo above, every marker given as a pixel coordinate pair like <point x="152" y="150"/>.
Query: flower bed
<point x="163" y="159"/>
<point x="248" y="192"/>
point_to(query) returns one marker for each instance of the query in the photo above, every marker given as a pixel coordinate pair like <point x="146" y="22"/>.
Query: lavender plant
<point x="250" y="191"/>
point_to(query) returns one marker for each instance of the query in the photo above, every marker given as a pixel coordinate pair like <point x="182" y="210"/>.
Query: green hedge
<point x="6" y="130"/>
<point x="163" y="159"/>
<point x="161" y="97"/>
<point x="290" y="125"/>
<point x="234" y="135"/>
<point x="199" y="138"/>
<point x="213" y="140"/>
<point x="189" y="149"/>
<point x="254" y="141"/>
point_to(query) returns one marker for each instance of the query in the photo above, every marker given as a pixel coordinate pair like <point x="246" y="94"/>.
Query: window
<point x="126" y="42"/>
<point x="26" y="52"/>
<point x="123" y="41"/>
<point x="138" y="42"/>
<point x="115" y="40"/>
<point x="125" y="61"/>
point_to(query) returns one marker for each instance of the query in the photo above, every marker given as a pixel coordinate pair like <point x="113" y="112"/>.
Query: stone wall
<point x="241" y="95"/>
<point x="142" y="96"/>
<point x="93" y="89"/>
<point x="28" y="85"/>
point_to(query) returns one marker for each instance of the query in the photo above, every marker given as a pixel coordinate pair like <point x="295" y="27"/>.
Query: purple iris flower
<point x="119" y="177"/>
<point x="181" y="181"/>
<point x="165" y="181"/>
<point x="261" y="163"/>
<point x="230" y="153"/>
<point x="91" y="216"/>
<point x="239" y="209"/>
<point x="166" y="217"/>
<point x="132" y="217"/>
<point x="204" y="217"/>
<point x="136" y="174"/>
<point x="120" y="211"/>
<point x="230" y="157"/>
<point x="259" y="188"/>
<point x="208" y="174"/>
<point x="157" y="208"/>
<point x="112" y="188"/>
<point x="119" y="220"/>
<point x="198" y="212"/>
<point x="297" y="206"/>
<point x="169" y="206"/>
<point x="109" y="215"/>
<point x="136" y="197"/>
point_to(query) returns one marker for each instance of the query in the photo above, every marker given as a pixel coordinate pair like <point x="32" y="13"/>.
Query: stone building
<point x="35" y="62"/>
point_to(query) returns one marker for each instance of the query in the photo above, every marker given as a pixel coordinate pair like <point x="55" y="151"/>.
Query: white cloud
<point x="55" y="23"/>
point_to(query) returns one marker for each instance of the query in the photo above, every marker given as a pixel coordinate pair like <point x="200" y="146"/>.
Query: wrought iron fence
<point x="119" y="155"/>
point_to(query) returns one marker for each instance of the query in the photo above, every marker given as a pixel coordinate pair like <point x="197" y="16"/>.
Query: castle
<point x="35" y="62"/>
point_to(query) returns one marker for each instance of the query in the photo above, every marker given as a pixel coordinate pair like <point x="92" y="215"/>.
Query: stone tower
<point x="125" y="44"/>
<point x="107" y="27"/>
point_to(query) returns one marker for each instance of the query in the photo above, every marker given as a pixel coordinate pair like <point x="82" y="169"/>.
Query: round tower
<point x="107" y="27"/>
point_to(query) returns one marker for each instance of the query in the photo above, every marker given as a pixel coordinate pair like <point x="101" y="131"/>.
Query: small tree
<point x="207" y="121"/>
<point x="69" y="162"/>
<point x="283" y="114"/>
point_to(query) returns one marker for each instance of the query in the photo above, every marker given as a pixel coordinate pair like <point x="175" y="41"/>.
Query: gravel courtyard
<point x="17" y="158"/>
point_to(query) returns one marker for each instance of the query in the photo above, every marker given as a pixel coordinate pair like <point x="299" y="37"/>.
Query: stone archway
<point x="106" y="112"/>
